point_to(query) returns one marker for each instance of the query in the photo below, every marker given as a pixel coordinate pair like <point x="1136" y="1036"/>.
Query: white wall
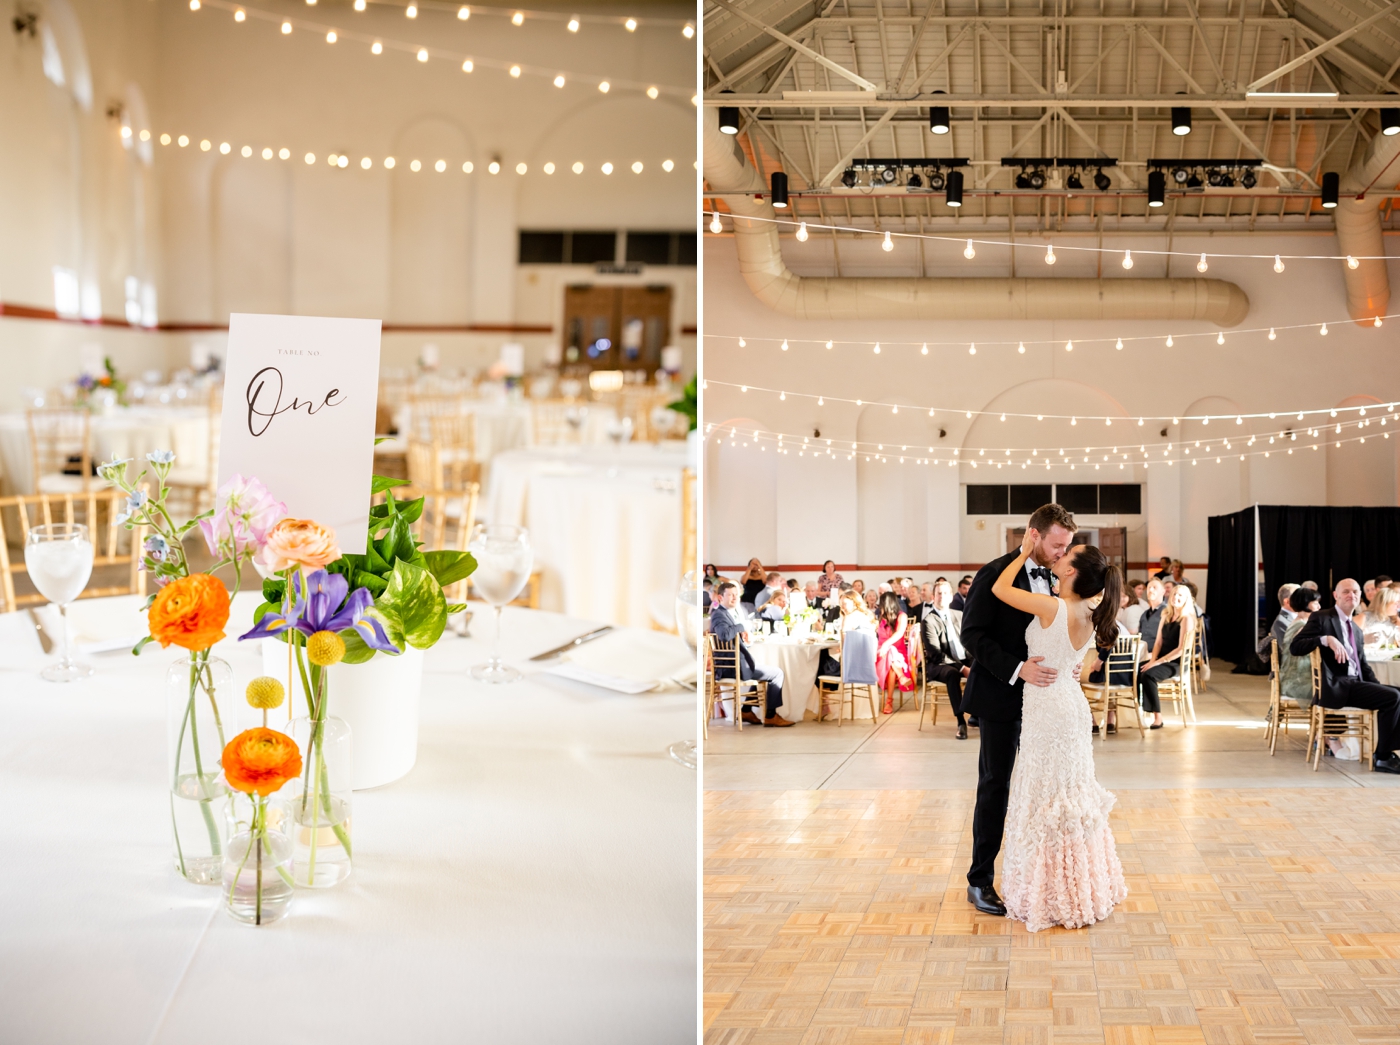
<point x="867" y="514"/>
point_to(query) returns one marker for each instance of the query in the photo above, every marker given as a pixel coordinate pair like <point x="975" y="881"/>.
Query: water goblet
<point x="58" y="557"/>
<point x="503" y="562"/>
<point x="688" y="623"/>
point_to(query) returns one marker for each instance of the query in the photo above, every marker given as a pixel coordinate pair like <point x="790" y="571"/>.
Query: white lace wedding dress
<point x="1059" y="863"/>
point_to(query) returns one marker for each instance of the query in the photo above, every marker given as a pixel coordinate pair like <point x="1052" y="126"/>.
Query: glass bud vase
<point x="319" y="802"/>
<point x="257" y="868"/>
<point x="199" y="696"/>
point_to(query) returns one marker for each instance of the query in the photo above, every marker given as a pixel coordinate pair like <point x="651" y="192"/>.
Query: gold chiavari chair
<point x="95" y="509"/>
<point x="741" y="693"/>
<point x="1106" y="696"/>
<point x="454" y="438"/>
<point x="1336" y="722"/>
<point x="446" y="525"/>
<point x="60" y="447"/>
<point x="857" y="672"/>
<point x="199" y="480"/>
<point x="557" y="422"/>
<point x="1282" y="710"/>
<point x="1180" y="689"/>
<point x="423" y="407"/>
<point x="1200" y="667"/>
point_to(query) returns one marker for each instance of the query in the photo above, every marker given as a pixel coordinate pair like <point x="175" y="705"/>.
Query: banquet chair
<point x="199" y="482"/>
<point x="557" y="422"/>
<point x="1282" y="710"/>
<point x="423" y="407"/>
<point x="857" y="670"/>
<point x="1336" y="722"/>
<point x="432" y="466"/>
<point x="1199" y="665"/>
<point x="60" y="447"/>
<point x="94" y="509"/>
<point x="446" y="525"/>
<point x="914" y="658"/>
<point x="1180" y="689"/>
<point x="454" y="440"/>
<point x="741" y="693"/>
<point x="1109" y="696"/>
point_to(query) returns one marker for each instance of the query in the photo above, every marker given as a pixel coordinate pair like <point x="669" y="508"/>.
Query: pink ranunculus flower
<point x="244" y="512"/>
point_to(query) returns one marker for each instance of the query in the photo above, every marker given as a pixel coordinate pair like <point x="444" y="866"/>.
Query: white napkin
<point x="628" y="661"/>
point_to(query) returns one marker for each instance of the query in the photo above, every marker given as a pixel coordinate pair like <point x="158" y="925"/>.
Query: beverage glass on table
<point x="688" y="623"/>
<point x="58" y="557"/>
<point x="503" y="561"/>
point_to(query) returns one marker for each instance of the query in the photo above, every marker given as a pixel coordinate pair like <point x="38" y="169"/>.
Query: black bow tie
<point x="1043" y="573"/>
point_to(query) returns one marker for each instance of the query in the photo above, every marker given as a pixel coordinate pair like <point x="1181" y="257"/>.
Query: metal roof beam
<point x="797" y="45"/>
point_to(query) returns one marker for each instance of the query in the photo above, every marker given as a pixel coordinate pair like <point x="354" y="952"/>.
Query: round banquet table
<point x="127" y="432"/>
<point x="503" y="424"/>
<point x="1387" y="670"/>
<point x="605" y="525"/>
<point x="799" y="661"/>
<point x="532" y="879"/>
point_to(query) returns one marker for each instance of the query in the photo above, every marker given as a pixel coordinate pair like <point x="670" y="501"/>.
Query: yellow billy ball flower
<point x="265" y="692"/>
<point x="325" y="648"/>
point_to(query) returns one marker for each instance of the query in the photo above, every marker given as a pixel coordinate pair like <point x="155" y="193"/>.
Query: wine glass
<point x="688" y="621"/>
<point x="503" y="562"/>
<point x="58" y="557"/>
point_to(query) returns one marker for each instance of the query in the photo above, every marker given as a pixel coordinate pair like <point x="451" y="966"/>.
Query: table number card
<point x="299" y="399"/>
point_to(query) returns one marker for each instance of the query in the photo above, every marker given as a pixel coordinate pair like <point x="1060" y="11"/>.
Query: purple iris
<point x="319" y="609"/>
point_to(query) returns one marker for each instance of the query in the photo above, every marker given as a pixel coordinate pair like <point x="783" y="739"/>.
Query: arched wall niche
<point x="741" y="498"/>
<point x="1362" y="473"/>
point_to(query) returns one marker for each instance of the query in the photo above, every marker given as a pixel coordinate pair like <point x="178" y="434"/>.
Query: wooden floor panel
<point x="1253" y="916"/>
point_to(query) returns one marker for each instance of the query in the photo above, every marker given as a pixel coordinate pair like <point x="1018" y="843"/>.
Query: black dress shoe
<point x="962" y="730"/>
<point x="1095" y="730"/>
<point x="1389" y="764"/>
<point x="973" y="722"/>
<point x="985" y="899"/>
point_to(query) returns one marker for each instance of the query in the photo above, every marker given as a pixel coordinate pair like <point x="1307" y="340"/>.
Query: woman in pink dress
<point x="892" y="655"/>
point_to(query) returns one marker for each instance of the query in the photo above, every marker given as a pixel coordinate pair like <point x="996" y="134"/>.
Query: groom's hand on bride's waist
<point x="1037" y="674"/>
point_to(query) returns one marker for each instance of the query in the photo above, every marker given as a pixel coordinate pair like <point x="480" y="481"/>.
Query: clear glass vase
<point x="199" y="698"/>
<point x="257" y="865"/>
<point x="319" y="801"/>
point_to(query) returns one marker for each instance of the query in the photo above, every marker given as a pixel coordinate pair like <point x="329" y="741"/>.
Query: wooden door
<point x="1113" y="542"/>
<point x="645" y="327"/>
<point x="616" y="328"/>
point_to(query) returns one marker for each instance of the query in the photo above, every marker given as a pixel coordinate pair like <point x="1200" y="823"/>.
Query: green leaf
<point x="375" y="562"/>
<point x="136" y="650"/>
<point x="407" y="547"/>
<point x="449" y="567"/>
<point x="381" y="483"/>
<point x="365" y="579"/>
<point x="387" y="544"/>
<point x="411" y="510"/>
<point x="273" y="590"/>
<point x="415" y="603"/>
<point x="356" y="652"/>
<point x="266" y="608"/>
<point x="455" y="607"/>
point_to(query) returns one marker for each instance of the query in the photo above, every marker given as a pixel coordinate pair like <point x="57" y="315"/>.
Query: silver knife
<point x="589" y="637"/>
<point x="45" y="643"/>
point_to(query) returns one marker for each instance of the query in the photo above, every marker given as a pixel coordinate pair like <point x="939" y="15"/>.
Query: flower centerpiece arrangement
<point x="88" y="385"/>
<point x="191" y="610"/>
<point x="332" y="609"/>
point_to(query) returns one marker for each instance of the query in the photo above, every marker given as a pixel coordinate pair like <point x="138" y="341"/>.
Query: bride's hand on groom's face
<point x="1028" y="542"/>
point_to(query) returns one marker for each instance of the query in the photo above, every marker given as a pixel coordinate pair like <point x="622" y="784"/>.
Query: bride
<point x="1060" y="866"/>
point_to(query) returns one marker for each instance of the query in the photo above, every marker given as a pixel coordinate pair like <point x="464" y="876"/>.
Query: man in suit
<point x="726" y="626"/>
<point x="959" y="602"/>
<point x="995" y="634"/>
<point x="947" y="657"/>
<point x="1347" y="680"/>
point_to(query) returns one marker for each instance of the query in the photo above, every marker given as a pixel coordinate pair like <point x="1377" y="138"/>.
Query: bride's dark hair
<point x="1094" y="574"/>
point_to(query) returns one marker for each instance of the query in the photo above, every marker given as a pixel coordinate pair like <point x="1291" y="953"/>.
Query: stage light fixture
<point x="1156" y="189"/>
<point x="779" y="185"/>
<point x="888" y="175"/>
<point x="1101" y="181"/>
<point x="848" y="179"/>
<point x="915" y="181"/>
<point x="1331" y="187"/>
<point x="1181" y="120"/>
<point x="939" y="121"/>
<point x="1180" y="174"/>
<point x="955" y="189"/>
<point x="936" y="180"/>
<point x="1248" y="179"/>
<point x="1037" y="179"/>
<point x="1390" y="122"/>
<point x="1023" y="180"/>
<point x="1073" y="181"/>
<point x="729" y="117"/>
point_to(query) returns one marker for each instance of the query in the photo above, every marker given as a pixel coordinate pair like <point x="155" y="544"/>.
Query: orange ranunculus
<point x="190" y="612"/>
<point x="259" y="761"/>
<point x="299" y="542"/>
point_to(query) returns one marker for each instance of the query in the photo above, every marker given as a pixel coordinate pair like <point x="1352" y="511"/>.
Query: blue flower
<point x="114" y="470"/>
<point x="319" y="608"/>
<point x="135" y="501"/>
<point x="161" y="457"/>
<point x="157" y="547"/>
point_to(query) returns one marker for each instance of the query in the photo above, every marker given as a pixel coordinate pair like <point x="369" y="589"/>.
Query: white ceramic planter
<point x="378" y="700"/>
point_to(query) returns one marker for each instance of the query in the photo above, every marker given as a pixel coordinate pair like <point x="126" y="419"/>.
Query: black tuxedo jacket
<point x="1309" y="638"/>
<point x="994" y="634"/>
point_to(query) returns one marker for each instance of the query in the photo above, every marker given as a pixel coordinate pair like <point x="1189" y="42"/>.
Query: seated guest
<point x="1311" y="584"/>
<point x="707" y="595"/>
<point x="858" y="586"/>
<point x="1178" y="571"/>
<point x="1347" y="679"/>
<point x="959" y="601"/>
<point x="1382" y="581"/>
<point x="712" y="573"/>
<point x="1281" y="622"/>
<point x="913" y="601"/>
<point x="947" y="659"/>
<point x="1124" y="601"/>
<point x="1380" y="624"/>
<point x="1155" y="593"/>
<point x="1368" y="593"/>
<point x="753" y="582"/>
<point x="926" y="596"/>
<point x="813" y="594"/>
<point x="1137" y="606"/>
<point x="1295" y="673"/>
<point x="854" y="617"/>
<point x="1174" y="634"/>
<point x="872" y="599"/>
<point x="1138" y="589"/>
<point x="776" y="607"/>
<point x="1166" y="568"/>
<point x="828" y="579"/>
<point x="773" y="583"/>
<point x="726" y="626"/>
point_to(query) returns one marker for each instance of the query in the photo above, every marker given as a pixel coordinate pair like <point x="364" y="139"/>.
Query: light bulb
<point x="821" y="402"/>
<point x="468" y="66"/>
<point x="782" y="395"/>
<point x="828" y="344"/>
<point x="1272" y="335"/>
<point x="1074" y="420"/>
<point x="888" y="244"/>
<point x="411" y="11"/>
<point x="417" y="165"/>
<point x="360" y="5"/>
<point x="1069" y="346"/>
<point x="785" y="345"/>
<point x="573" y="25"/>
<point x="877" y="348"/>
<point x="422" y="54"/>
<point x="1021" y="348"/>
<point x="972" y="350"/>
<point x="802" y="232"/>
<point x="520" y="168"/>
<point x="1352" y="263"/>
<point x="310" y="157"/>
<point x="376" y="48"/>
<point x="331" y="37"/>
<point x="518" y="18"/>
<point x="968" y="252"/>
<point x="577" y="168"/>
<point x="389" y="163"/>
<point x="1323" y="331"/>
<point x="366" y="163"/>
<point x="668" y="166"/>
<point x="1127" y="259"/>
<point x="924" y="351"/>
<point x="630" y="25"/>
<point x="515" y="72"/>
<point x="1170" y="342"/>
<point x="463" y="13"/>
<point x="605" y="87"/>
<point x="1278" y="263"/>
<point x="194" y="5"/>
<point x="689" y="31"/>
<point x="286" y="28"/>
<point x="1377" y="322"/>
<point x="1202" y="265"/>
<point x="1119" y="345"/>
<point x="558" y="80"/>
<point x="239" y="15"/>
<point x="607" y="168"/>
<point x="715" y="225"/>
<point x="467" y="167"/>
<point x="1220" y="338"/>
<point x="549" y="168"/>
<point x="1050" y="254"/>
<point x="653" y="93"/>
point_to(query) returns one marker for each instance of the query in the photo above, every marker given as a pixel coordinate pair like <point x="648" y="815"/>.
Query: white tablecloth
<point x="1387" y="671"/>
<point x="128" y="432"/>
<point x="503" y="425"/>
<point x="799" y="662"/>
<point x="531" y="880"/>
<point x="604" y="522"/>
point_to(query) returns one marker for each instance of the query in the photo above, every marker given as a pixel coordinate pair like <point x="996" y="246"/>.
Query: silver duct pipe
<point x="761" y="262"/>
<point x="1358" y="225"/>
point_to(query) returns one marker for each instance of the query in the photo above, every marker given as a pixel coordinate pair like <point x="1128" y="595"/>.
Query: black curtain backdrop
<point x="1230" y="585"/>
<point x="1325" y="544"/>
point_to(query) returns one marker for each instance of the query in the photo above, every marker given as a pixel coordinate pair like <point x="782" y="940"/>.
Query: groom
<point x="995" y="634"/>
